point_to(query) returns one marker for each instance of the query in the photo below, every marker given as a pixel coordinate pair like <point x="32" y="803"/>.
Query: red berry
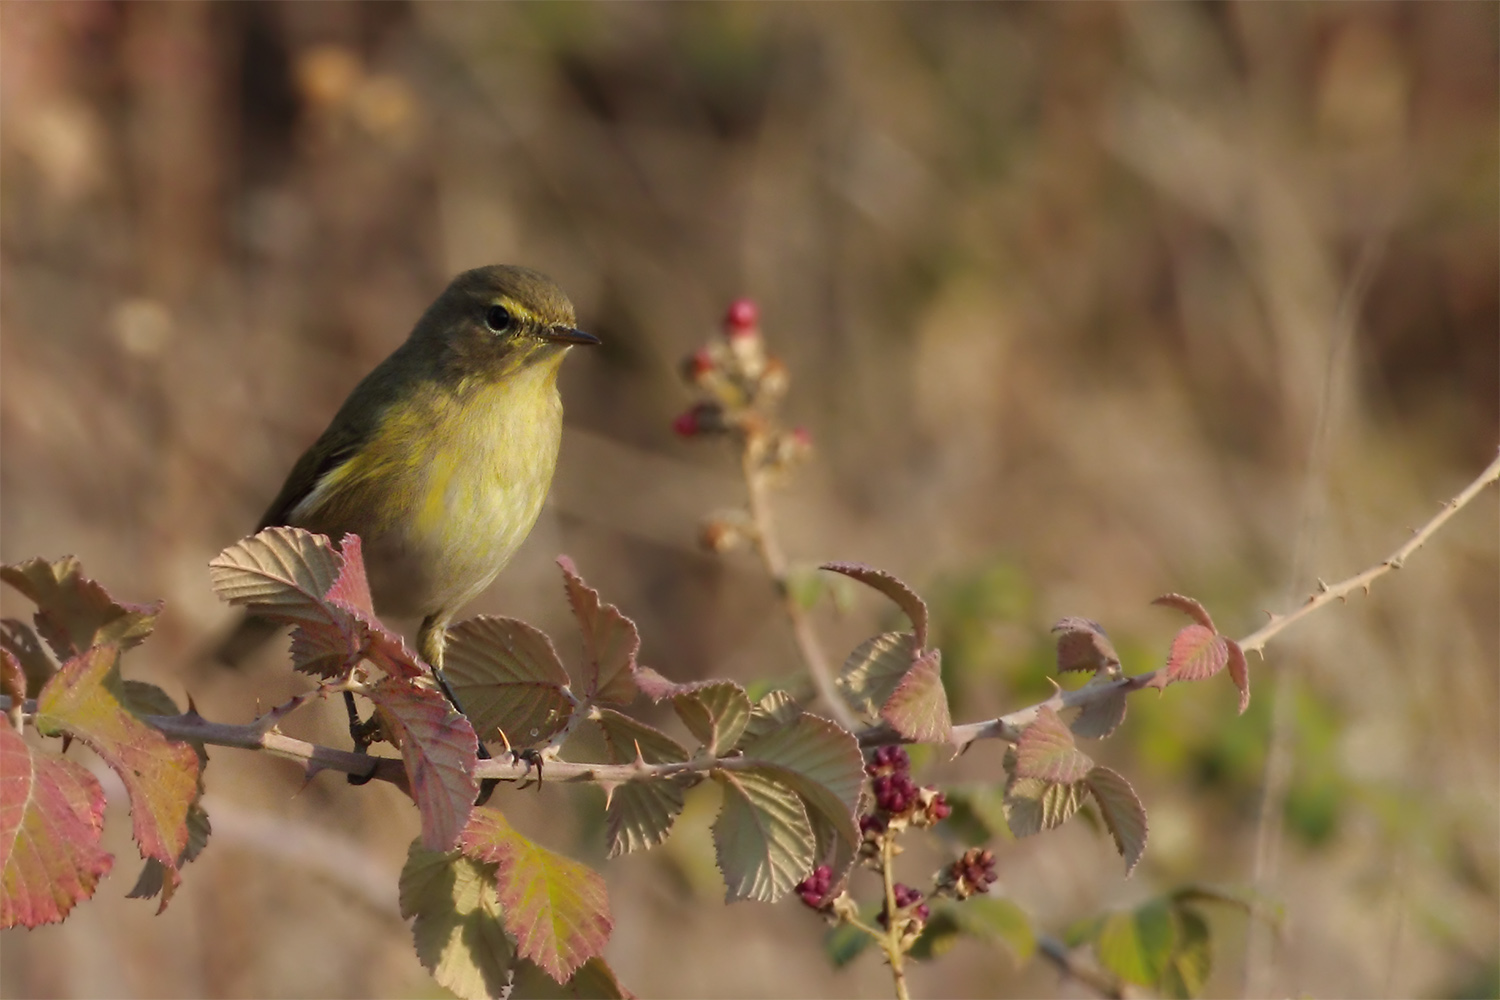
<point x="686" y="424"/>
<point x="742" y="317"/>
<point x="701" y="363"/>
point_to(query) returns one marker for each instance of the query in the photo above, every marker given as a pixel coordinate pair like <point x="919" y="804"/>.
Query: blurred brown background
<point x="1083" y="304"/>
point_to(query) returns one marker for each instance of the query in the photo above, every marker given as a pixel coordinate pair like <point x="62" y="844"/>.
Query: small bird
<point x="441" y="457"/>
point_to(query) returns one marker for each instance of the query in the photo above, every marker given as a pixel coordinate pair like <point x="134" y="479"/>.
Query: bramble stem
<point x="768" y="546"/>
<point x="891" y="940"/>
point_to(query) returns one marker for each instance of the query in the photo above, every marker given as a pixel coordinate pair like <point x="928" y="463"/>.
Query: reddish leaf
<point x="1122" y="812"/>
<point x="351" y="589"/>
<point x="610" y="641"/>
<point x="556" y="908"/>
<point x="507" y="677"/>
<point x="1046" y="751"/>
<point x="12" y="679"/>
<point x="1083" y="645"/>
<point x="1239" y="672"/>
<point x="1197" y="653"/>
<point x="73" y="612"/>
<point x="438" y="746"/>
<point x="51" y="817"/>
<point x="918" y="708"/>
<point x="86" y="700"/>
<point x="904" y="597"/>
<point x="1189" y="607"/>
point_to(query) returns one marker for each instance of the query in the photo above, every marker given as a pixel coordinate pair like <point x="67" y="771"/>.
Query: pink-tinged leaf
<point x="1083" y="645"/>
<point x="508" y="678"/>
<point x="876" y="668"/>
<point x="329" y="648"/>
<point x="1197" y="653"/>
<point x="1122" y="812"/>
<point x="904" y="597"/>
<point x="86" y="700"/>
<point x="1189" y="607"/>
<point x="1101" y="716"/>
<point x="73" y="612"/>
<point x="610" y="642"/>
<point x="1046" y="751"/>
<point x="351" y="588"/>
<point x="51" y="818"/>
<point x="438" y="747"/>
<point x="918" y="708"/>
<point x="1239" y="672"/>
<point x="556" y="908"/>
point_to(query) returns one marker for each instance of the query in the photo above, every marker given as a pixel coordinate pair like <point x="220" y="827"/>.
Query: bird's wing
<point x="337" y="445"/>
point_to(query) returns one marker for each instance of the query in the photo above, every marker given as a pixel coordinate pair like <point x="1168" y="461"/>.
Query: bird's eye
<point x="498" y="319"/>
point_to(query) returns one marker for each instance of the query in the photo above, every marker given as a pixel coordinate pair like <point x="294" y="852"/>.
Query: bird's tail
<point x="248" y="636"/>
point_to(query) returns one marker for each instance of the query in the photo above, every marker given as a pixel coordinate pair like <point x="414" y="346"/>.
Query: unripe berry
<point x="741" y="318"/>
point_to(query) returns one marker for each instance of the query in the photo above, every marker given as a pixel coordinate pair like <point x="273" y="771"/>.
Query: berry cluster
<point x="898" y="799"/>
<point x="814" y="890"/>
<point x="909" y="900"/>
<point x="970" y="875"/>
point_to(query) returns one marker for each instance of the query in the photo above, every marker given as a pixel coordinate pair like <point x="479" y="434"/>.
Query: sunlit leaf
<point x="594" y="980"/>
<point x="610" y="642"/>
<point x="51" y="819"/>
<point x="715" y="711"/>
<point x="508" y="678"/>
<point x="1189" y="607"/>
<point x="457" y="929"/>
<point x="18" y="639"/>
<point x="1239" y="672"/>
<point x="1197" y="653"/>
<point x="556" y="908"/>
<point x="875" y="669"/>
<point x="73" y="613"/>
<point x="85" y="699"/>
<point x="1136" y="945"/>
<point x="1033" y="805"/>
<point x="1191" y="960"/>
<point x="774" y="711"/>
<point x="639" y="814"/>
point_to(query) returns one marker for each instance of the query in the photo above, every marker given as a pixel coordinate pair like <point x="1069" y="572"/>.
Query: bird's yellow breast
<point x="446" y="489"/>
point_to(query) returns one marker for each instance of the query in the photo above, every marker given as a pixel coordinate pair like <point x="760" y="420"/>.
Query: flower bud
<point x="703" y="418"/>
<point x="742" y="318"/>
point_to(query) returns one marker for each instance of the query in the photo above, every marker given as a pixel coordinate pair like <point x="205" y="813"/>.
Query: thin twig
<point x="768" y="545"/>
<point x="1058" y="953"/>
<point x="890" y="941"/>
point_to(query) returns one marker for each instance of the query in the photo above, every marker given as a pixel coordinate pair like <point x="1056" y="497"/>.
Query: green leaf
<point x="1191" y="960"/>
<point x="439" y="749"/>
<point x="939" y="934"/>
<point x="903" y="596"/>
<point x="874" y="670"/>
<point x="715" y="711"/>
<point x="762" y="838"/>
<point x="1122" y="812"/>
<point x="73" y="612"/>
<point x="639" y="813"/>
<point x="557" y="909"/>
<point x="843" y="943"/>
<point x="1033" y="805"/>
<point x="51" y="819"/>
<point x="508" y="678"/>
<point x="772" y="712"/>
<point x="594" y="980"/>
<point x="86" y="699"/>
<point x="1046" y="751"/>
<point x="610" y="642"/>
<point x="978" y="814"/>
<point x="458" y="933"/>
<point x="805" y="586"/>
<point x="998" y="920"/>
<point x="1136" y="945"/>
<point x="822" y="763"/>
<point x="918" y="708"/>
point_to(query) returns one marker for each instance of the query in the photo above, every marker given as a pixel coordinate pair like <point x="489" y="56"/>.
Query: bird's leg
<point x="431" y="638"/>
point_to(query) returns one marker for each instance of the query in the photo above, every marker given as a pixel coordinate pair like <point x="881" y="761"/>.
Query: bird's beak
<point x="568" y="335"/>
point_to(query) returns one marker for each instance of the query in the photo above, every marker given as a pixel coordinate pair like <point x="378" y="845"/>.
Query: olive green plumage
<point x="441" y="457"/>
